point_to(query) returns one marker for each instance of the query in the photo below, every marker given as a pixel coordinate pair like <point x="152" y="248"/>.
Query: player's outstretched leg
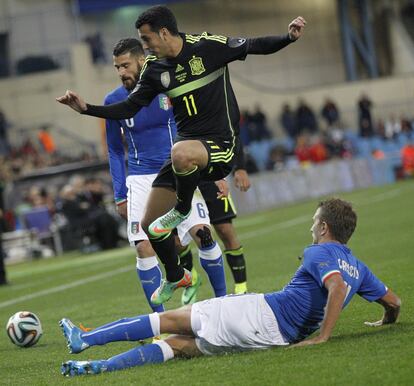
<point x="157" y="352"/>
<point x="127" y="329"/>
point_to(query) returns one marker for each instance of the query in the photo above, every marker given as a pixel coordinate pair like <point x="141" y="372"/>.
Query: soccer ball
<point x="24" y="329"/>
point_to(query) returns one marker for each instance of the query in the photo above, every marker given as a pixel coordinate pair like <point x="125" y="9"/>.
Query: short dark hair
<point x="158" y="17"/>
<point x="124" y="46"/>
<point x="340" y="218"/>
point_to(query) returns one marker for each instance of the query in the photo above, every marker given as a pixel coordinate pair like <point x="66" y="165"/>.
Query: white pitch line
<point x="64" y="287"/>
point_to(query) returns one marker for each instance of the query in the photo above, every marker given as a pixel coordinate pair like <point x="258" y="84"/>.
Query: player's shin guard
<point x="164" y="247"/>
<point x="237" y="263"/>
<point x="151" y="353"/>
<point x="212" y="261"/>
<point x="149" y="274"/>
<point x="127" y="329"/>
<point x="186" y="258"/>
<point x="186" y="183"/>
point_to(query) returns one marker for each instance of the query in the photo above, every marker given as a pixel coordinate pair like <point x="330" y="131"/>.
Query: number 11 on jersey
<point x="187" y="101"/>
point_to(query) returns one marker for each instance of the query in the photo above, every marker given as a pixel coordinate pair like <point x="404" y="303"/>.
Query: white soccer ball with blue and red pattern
<point x="24" y="329"/>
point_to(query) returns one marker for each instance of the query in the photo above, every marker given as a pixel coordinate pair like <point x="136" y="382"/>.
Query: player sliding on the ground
<point x="322" y="286"/>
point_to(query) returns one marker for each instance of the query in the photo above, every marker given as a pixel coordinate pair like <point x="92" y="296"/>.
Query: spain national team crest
<point x="196" y="65"/>
<point x="165" y="79"/>
<point x="134" y="227"/>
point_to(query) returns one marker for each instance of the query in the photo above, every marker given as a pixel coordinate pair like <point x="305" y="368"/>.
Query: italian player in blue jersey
<point x="322" y="286"/>
<point x="149" y="136"/>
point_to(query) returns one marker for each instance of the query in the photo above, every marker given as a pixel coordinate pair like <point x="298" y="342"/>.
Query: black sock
<point x="186" y="258"/>
<point x="235" y="260"/>
<point x="186" y="184"/>
<point x="165" y="249"/>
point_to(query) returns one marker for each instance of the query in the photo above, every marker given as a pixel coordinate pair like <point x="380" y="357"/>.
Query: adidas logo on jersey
<point x="179" y="68"/>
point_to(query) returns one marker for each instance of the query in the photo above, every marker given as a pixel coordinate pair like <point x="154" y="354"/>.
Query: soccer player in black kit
<point x="192" y="71"/>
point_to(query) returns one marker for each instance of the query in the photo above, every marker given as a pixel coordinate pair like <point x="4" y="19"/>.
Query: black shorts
<point x="220" y="164"/>
<point x="221" y="210"/>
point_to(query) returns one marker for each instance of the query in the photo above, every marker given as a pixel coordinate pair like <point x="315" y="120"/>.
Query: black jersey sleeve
<point x="145" y="90"/>
<point x="122" y="110"/>
<point x="268" y="44"/>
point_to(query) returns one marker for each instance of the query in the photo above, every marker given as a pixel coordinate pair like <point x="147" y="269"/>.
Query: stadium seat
<point x="40" y="220"/>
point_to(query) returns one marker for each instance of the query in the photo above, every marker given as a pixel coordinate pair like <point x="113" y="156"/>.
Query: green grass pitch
<point x="98" y="288"/>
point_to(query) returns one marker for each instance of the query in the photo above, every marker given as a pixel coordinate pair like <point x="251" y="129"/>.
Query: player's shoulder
<point x="319" y="250"/>
<point x="204" y="38"/>
<point x="151" y="62"/>
<point x="116" y="95"/>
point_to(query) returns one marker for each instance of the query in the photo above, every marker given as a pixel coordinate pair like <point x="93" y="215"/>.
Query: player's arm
<point x="336" y="295"/>
<point x="392" y="304"/>
<point x="271" y="44"/>
<point x="116" y="158"/>
<point x="122" y="110"/>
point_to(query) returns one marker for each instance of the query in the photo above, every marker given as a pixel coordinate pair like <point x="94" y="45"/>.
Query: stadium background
<point x="313" y="69"/>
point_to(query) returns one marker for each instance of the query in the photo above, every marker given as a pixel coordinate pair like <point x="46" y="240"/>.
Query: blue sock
<point x="126" y="329"/>
<point x="149" y="274"/>
<point x="212" y="262"/>
<point x="138" y="356"/>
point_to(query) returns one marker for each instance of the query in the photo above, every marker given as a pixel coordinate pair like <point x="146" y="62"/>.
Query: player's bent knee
<point x="144" y="249"/>
<point x="204" y="238"/>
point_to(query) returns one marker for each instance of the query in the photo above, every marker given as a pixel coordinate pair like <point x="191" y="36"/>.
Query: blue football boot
<point x="73" y="336"/>
<point x="73" y="368"/>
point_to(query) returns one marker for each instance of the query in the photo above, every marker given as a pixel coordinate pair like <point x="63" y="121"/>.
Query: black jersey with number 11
<point x="198" y="85"/>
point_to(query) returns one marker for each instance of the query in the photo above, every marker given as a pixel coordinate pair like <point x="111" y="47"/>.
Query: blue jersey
<point x="149" y="135"/>
<point x="299" y="307"/>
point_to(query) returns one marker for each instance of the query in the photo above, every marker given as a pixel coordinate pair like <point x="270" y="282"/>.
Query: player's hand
<point x="296" y="27"/>
<point x="73" y="100"/>
<point x="122" y="210"/>
<point x="309" y="342"/>
<point x="223" y="187"/>
<point x="241" y="180"/>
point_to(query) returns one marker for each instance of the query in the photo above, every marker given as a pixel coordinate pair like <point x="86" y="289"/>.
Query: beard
<point x="129" y="83"/>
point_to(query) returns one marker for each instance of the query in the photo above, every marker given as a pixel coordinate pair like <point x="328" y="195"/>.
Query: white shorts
<point x="139" y="187"/>
<point x="235" y="323"/>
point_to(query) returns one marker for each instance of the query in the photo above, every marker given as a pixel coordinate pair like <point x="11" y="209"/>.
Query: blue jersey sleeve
<point x="319" y="263"/>
<point x="371" y="288"/>
<point x="116" y="156"/>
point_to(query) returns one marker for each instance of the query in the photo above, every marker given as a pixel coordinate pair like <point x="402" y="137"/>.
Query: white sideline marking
<point x="282" y="225"/>
<point x="64" y="287"/>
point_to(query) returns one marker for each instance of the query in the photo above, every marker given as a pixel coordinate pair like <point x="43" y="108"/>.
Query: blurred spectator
<point x="407" y="127"/>
<point x="330" y="114"/>
<point x="244" y="128"/>
<point x="306" y="119"/>
<point x="392" y="127"/>
<point x="4" y="141"/>
<point x="277" y="159"/>
<point x="258" y="126"/>
<point x="302" y="149"/>
<point x="317" y="150"/>
<point x="288" y="121"/>
<point x="366" y="128"/>
<point x="46" y="140"/>
<point x="96" y="47"/>
<point x="378" y="154"/>
<point x="407" y="157"/>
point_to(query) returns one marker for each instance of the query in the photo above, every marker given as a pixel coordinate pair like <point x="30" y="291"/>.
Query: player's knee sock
<point x="127" y="329"/>
<point x="186" y="258"/>
<point x="164" y="247"/>
<point x="237" y="263"/>
<point x="186" y="185"/>
<point x="212" y="262"/>
<point x="150" y="275"/>
<point x="151" y="353"/>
